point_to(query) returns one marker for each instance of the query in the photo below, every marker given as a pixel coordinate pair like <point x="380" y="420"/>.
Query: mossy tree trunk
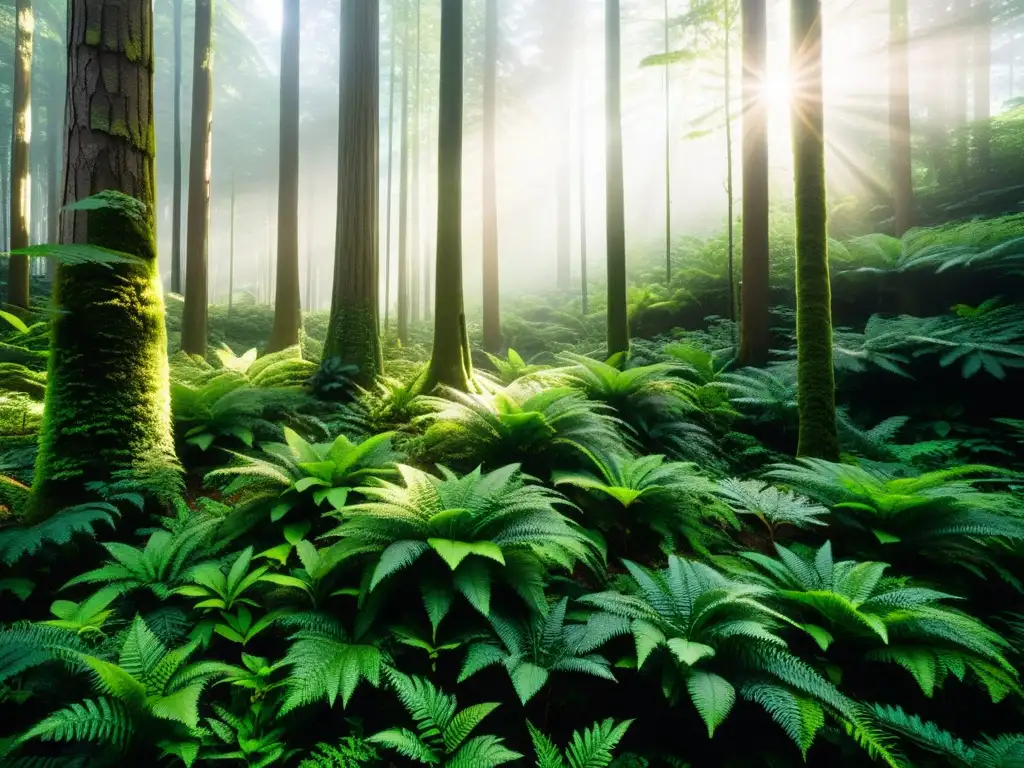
<point x="491" y="295"/>
<point x="288" y="300"/>
<point x="618" y="322"/>
<point x="816" y="396"/>
<point x="755" y="290"/>
<point x="450" y="363"/>
<point x="415" y="227"/>
<point x="21" y="100"/>
<point x="352" y="332"/>
<point x="176" y="188"/>
<point x="107" y="393"/>
<point x="899" y="120"/>
<point x="403" y="189"/>
<point x="194" y="315"/>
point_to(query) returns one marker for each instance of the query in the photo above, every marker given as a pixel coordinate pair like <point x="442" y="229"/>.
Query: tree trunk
<point x="287" y="299"/>
<point x="107" y="400"/>
<point x="982" y="85"/>
<point x="959" y="60"/>
<point x="231" y="250"/>
<point x="581" y="127"/>
<point x="403" y="191"/>
<point x="194" y="316"/>
<point x="618" y="322"/>
<point x="563" y="109"/>
<point x="55" y="168"/>
<point x="391" y="134"/>
<point x="730" y="196"/>
<point x="352" y="332"/>
<point x="414" y="186"/>
<point x="176" y="286"/>
<point x="668" y="156"/>
<point x="816" y="396"/>
<point x="755" y="298"/>
<point x="491" y="296"/>
<point x="450" y="363"/>
<point x="899" y="120"/>
<point x="21" y="100"/>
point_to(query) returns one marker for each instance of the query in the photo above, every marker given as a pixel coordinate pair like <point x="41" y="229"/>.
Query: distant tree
<point x="450" y="363"/>
<point x="618" y="321"/>
<point x="491" y="295"/>
<point x="21" y="98"/>
<point x="403" y="189"/>
<point x="567" y="18"/>
<point x="755" y="314"/>
<point x="983" y="83"/>
<point x="816" y="395"/>
<point x="107" y="407"/>
<point x="393" y="56"/>
<point x="352" y="331"/>
<point x="415" y="241"/>
<point x="194" y="314"/>
<point x="899" y="120"/>
<point x="176" y="189"/>
<point x="288" y="298"/>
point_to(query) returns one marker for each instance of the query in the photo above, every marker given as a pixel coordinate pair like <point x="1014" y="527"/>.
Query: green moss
<point x="120" y="128"/>
<point x="107" y="400"/>
<point x="93" y="35"/>
<point x="352" y="337"/>
<point x="99" y="119"/>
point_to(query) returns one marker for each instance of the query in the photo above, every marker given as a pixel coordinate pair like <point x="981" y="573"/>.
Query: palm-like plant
<point x="479" y="526"/>
<point x="298" y="473"/>
<point x="530" y="651"/>
<point x="670" y="498"/>
<point x="773" y="507"/>
<point x="942" y="514"/>
<point x="550" y="426"/>
<point x="513" y="367"/>
<point x="590" y="749"/>
<point x="444" y="732"/>
<point x="930" y="641"/>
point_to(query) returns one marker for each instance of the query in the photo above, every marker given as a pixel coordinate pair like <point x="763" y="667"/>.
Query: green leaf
<point x="202" y="441"/>
<point x="279" y="511"/>
<point x="712" y="695"/>
<point x="454" y="552"/>
<point x="688" y="652"/>
<point x="279" y="553"/>
<point x="398" y="555"/>
<point x="15" y="321"/>
<point x="306" y="483"/>
<point x="473" y="579"/>
<point x="284" y="580"/>
<point x="296" y="532"/>
<point x="302" y="450"/>
<point x="337" y="497"/>
<point x="181" y="706"/>
<point x="885" y="538"/>
<point x="821" y="636"/>
<point x="548" y="755"/>
<point x="77" y="254"/>
<point x="527" y="678"/>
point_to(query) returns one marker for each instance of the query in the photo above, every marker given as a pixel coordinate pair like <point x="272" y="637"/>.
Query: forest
<point x="554" y="383"/>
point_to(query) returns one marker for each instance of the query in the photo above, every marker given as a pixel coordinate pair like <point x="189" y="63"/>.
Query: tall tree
<point x="816" y="396"/>
<point x="403" y="189"/>
<point x="563" y="108"/>
<point x="899" y="120"/>
<point x="491" y="298"/>
<point x="107" y="404"/>
<point x="176" y="189"/>
<point x="393" y="55"/>
<point x="983" y="83"/>
<point x="288" y="298"/>
<point x="352" y="331"/>
<point x="450" y="363"/>
<point x="618" y="322"/>
<point x="668" y="155"/>
<point x="959" y="60"/>
<point x="21" y="100"/>
<point x="415" y="241"/>
<point x="755" y="316"/>
<point x="231" y="249"/>
<point x="581" y="128"/>
<point x="194" y="315"/>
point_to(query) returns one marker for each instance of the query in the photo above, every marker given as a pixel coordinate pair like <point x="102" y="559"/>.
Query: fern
<point x="81" y="520"/>
<point x="773" y="507"/>
<point x="591" y="748"/>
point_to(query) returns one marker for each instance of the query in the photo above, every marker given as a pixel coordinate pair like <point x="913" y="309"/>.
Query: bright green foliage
<point x="248" y="739"/>
<point x="163" y="565"/>
<point x="769" y="393"/>
<point x="61" y="528"/>
<point x="443" y="736"/>
<point x="320" y="569"/>
<point x="854" y="600"/>
<point x="26" y="646"/>
<point x="481" y="526"/>
<point x="298" y="473"/>
<point x="590" y="749"/>
<point x="530" y="651"/>
<point x="773" y="507"/>
<point x="513" y="367"/>
<point x="218" y="589"/>
<point x="87" y="617"/>
<point x="990" y="340"/>
<point x="549" y="426"/>
<point x="350" y="752"/>
<point x="670" y="498"/>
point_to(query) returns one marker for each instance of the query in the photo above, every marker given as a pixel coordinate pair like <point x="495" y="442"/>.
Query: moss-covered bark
<point x="402" y="283"/>
<point x="107" y="395"/>
<point x="816" y="396"/>
<point x="352" y="332"/>
<point x="21" y="98"/>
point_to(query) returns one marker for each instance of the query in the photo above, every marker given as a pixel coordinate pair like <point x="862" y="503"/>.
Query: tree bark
<point x="390" y="154"/>
<point x="581" y="127"/>
<point x="414" y="185"/>
<point x="352" y="331"/>
<point x="176" y="286"/>
<point x="450" y="362"/>
<point x="491" y="296"/>
<point x="403" y="191"/>
<point x="563" y="108"/>
<point x="231" y="250"/>
<point x="107" y="405"/>
<point x="899" y="120"/>
<point x="983" y="85"/>
<point x="960" y="61"/>
<point x="21" y="101"/>
<point x="194" y="316"/>
<point x="816" y="377"/>
<point x="755" y="289"/>
<point x="287" y="298"/>
<point x="618" y="322"/>
<point x="668" y="156"/>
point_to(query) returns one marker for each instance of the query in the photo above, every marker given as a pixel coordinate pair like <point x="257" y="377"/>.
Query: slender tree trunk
<point x="755" y="316"/>
<point x="287" y="299"/>
<point x="730" y="194"/>
<point x="352" y="331"/>
<point x="176" y="286"/>
<point x="668" y="159"/>
<point x="816" y="396"/>
<point x="618" y="322"/>
<point x="563" y="107"/>
<point x="194" y="316"/>
<point x="491" y="297"/>
<point x="450" y="362"/>
<point x="581" y="128"/>
<point x="107" y="400"/>
<point x="960" y="50"/>
<point x="414" y="187"/>
<point x="395" y="4"/>
<point x="54" y="163"/>
<point x="231" y="250"/>
<point x="430" y="253"/>
<point x="983" y="85"/>
<point x="899" y="120"/>
<point x="403" y="191"/>
<point x="21" y="99"/>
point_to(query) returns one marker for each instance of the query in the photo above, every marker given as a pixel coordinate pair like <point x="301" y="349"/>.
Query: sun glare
<point x="776" y="93"/>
